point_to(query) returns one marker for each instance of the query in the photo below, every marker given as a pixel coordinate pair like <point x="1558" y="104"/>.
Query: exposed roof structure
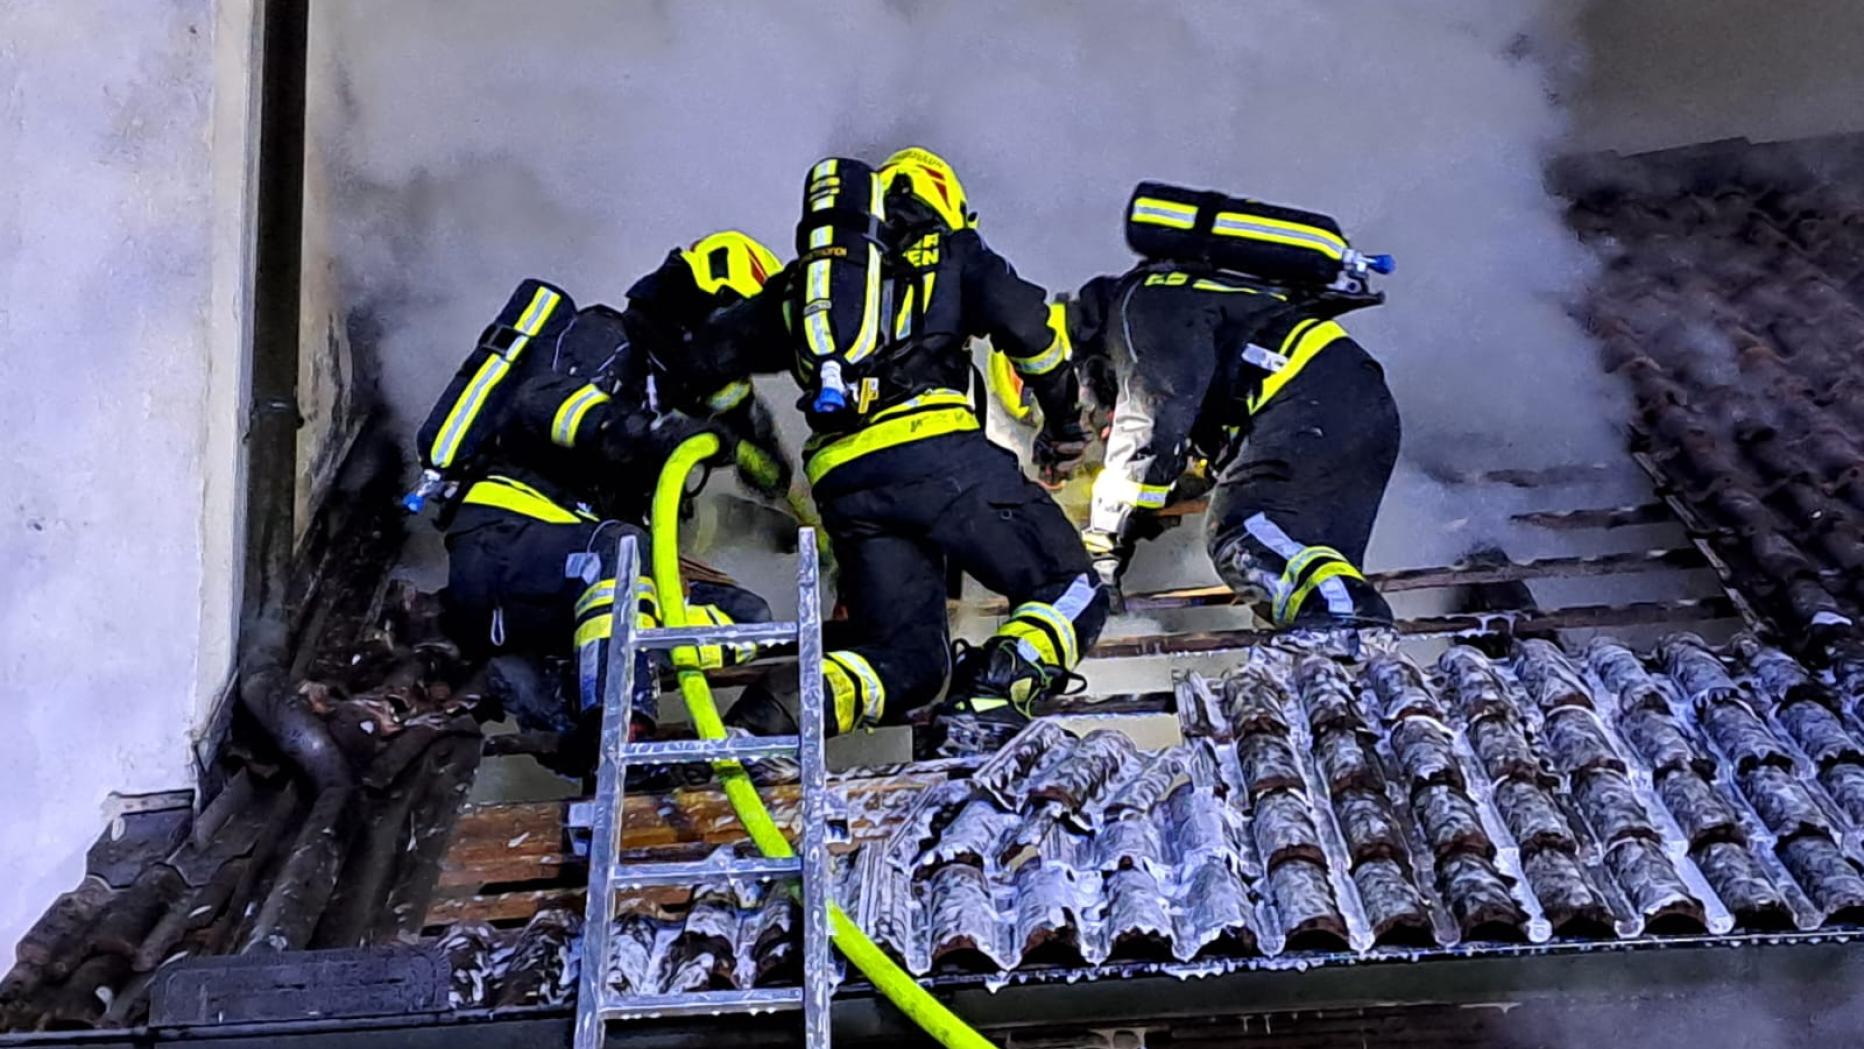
<point x="265" y="866"/>
<point x="1507" y="796"/>
<point x="1732" y="302"/>
<point x="1319" y="809"/>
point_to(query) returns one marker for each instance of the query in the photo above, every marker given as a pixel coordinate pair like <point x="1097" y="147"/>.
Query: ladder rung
<point x="684" y="751"/>
<point x="738" y="634"/>
<point x="702" y="1003"/>
<point x="639" y="875"/>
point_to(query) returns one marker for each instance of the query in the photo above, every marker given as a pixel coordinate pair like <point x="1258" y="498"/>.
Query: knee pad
<point x="856" y="697"/>
<point x="1041" y="634"/>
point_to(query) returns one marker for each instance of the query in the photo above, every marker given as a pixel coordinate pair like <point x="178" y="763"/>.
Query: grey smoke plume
<point x="473" y="143"/>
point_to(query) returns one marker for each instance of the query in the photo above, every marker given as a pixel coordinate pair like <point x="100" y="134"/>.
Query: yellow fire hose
<point x="892" y="981"/>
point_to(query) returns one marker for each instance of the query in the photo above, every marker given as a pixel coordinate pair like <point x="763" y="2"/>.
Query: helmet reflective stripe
<point x="730" y="259"/>
<point x="932" y="181"/>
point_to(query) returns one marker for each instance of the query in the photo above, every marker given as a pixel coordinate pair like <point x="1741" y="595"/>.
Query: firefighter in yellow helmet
<point x="714" y="272"/>
<point x="551" y="456"/>
<point x="874" y="320"/>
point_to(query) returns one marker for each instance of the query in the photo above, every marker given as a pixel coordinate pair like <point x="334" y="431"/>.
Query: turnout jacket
<point x="1190" y="356"/>
<point x="580" y="442"/>
<point x="921" y="384"/>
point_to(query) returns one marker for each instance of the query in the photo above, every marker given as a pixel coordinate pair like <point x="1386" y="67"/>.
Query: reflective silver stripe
<point x="1073" y="601"/>
<point x="1116" y="489"/>
<point x="1264" y="358"/>
<point x="570" y="415"/>
<point x="1339" y="602"/>
<point x="490" y="374"/>
<point x="602" y="593"/>
<point x="823" y="198"/>
<point x="1203" y="284"/>
<point x="874" y="694"/>
<point x="1044" y="362"/>
<point x="1156" y="212"/>
<point x="867" y="340"/>
<point x="1236" y="225"/>
<point x="1062" y="625"/>
<point x="729" y="396"/>
<point x="816" y="329"/>
<point x="1269" y="534"/>
<point x="446" y="446"/>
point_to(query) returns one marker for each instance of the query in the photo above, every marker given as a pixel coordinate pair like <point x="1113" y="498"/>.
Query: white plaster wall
<point x="125" y="143"/>
<point x="1663" y="73"/>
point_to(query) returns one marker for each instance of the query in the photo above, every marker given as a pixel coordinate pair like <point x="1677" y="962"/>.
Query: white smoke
<point x="474" y="143"/>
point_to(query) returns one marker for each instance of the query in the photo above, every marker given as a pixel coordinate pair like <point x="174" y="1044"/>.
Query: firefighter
<point x="1255" y="379"/>
<point x="691" y="285"/>
<point x="578" y="444"/>
<point x="873" y="320"/>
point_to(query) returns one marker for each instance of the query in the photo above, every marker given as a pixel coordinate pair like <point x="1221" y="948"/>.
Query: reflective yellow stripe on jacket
<point x="517" y="497"/>
<point x="931" y="414"/>
<point x="569" y="417"/>
<point x="1306" y="340"/>
<point x="1058" y="350"/>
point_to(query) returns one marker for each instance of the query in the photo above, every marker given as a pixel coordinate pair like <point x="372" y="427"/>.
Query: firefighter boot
<point x="994" y="691"/>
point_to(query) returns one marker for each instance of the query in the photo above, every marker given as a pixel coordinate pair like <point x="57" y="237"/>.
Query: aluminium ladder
<point x="596" y="1004"/>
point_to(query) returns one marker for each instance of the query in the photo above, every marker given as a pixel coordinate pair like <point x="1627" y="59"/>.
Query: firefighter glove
<point x="1109" y="557"/>
<point x="1059" y="450"/>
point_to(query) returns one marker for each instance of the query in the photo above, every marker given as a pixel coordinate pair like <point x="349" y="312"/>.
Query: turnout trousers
<point x="545" y="593"/>
<point x="898" y="517"/>
<point x="1293" y="509"/>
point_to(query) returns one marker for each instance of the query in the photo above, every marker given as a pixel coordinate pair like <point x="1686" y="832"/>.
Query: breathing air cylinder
<point x="1274" y="242"/>
<point x="841" y="248"/>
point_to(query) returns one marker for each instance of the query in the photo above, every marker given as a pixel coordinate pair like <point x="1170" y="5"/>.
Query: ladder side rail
<point x="814" y="845"/>
<point x="605" y="830"/>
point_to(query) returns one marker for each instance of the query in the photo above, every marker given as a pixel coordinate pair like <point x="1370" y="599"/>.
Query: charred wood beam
<point x="1692" y="610"/>
<point x="80" y="1002"/>
<point x="544" y="743"/>
<point x="225" y="870"/>
<point x="50" y="949"/>
<point x="1578" y="617"/>
<point x="454" y="761"/>
<point x="298" y="895"/>
<point x="131" y="916"/>
<point x="1604" y="518"/>
<point x="1698" y="531"/>
<point x="381" y="841"/>
<point x="1475" y="572"/>
<point x="1499" y="595"/>
<point x="1487" y="571"/>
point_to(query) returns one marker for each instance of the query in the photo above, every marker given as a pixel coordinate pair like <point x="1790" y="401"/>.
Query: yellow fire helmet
<point x="933" y="181"/>
<point x="730" y="259"/>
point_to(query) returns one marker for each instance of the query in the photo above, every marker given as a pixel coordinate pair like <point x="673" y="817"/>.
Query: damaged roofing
<point x="1732" y="303"/>
<point x="1324" y="810"/>
<point x="1316" y="810"/>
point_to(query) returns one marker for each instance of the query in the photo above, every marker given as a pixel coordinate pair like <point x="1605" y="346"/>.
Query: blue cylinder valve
<point x="829" y="400"/>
